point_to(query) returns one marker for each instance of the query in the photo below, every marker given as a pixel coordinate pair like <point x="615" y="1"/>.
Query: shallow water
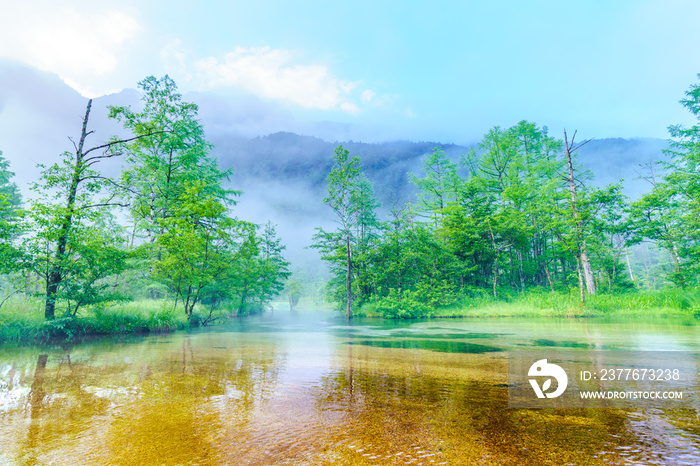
<point x="309" y="389"/>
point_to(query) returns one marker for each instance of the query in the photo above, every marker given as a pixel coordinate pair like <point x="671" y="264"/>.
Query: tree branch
<point x="119" y="141"/>
<point x="100" y="177"/>
<point x="105" y="204"/>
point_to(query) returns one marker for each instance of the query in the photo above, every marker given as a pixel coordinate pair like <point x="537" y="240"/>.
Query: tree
<point x="514" y="179"/>
<point x="336" y="247"/>
<point x="670" y="213"/>
<point x="366" y="234"/>
<point x="612" y="232"/>
<point x="659" y="216"/>
<point x="274" y="270"/>
<point x="163" y="165"/>
<point x="10" y="201"/>
<point x="576" y="217"/>
<point x="191" y="247"/>
<point x="67" y="206"/>
<point x="440" y="184"/>
<point x="681" y="187"/>
<point x="244" y="276"/>
<point x="294" y="290"/>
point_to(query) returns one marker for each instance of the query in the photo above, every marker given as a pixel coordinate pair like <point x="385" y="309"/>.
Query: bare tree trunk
<point x="629" y="265"/>
<point x="348" y="278"/>
<point x="587" y="270"/>
<point x="582" y="257"/>
<point x="56" y="274"/>
<point x="549" y="278"/>
<point x="580" y="280"/>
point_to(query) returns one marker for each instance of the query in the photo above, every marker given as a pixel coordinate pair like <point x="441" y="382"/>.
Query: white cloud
<point x="78" y="43"/>
<point x="273" y="74"/>
<point x="174" y="57"/>
<point x="350" y="108"/>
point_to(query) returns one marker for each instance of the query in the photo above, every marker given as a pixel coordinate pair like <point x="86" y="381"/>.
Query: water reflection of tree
<point x="192" y="405"/>
<point x="57" y="395"/>
<point x="36" y="400"/>
<point x="137" y="405"/>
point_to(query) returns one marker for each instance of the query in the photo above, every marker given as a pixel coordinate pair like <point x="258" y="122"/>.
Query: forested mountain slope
<point x="304" y="162"/>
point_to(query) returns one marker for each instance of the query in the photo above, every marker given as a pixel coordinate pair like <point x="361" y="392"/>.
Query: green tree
<point x="191" y="245"/>
<point x="67" y="205"/>
<point x="274" y="269"/>
<point x="670" y="213"/>
<point x="367" y="231"/>
<point x="440" y="184"/>
<point x="337" y="247"/>
<point x="162" y="166"/>
<point x="681" y="186"/>
<point x="660" y="216"/>
<point x="612" y="233"/>
<point x="294" y="290"/>
<point x="10" y="202"/>
<point x="244" y="277"/>
<point x="514" y="177"/>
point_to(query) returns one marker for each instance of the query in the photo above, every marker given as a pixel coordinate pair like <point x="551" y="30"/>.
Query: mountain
<point x="305" y="161"/>
<point x="282" y="174"/>
<point x="615" y="160"/>
<point x="294" y="159"/>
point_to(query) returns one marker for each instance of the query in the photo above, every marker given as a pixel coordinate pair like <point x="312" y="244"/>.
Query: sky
<point x="443" y="71"/>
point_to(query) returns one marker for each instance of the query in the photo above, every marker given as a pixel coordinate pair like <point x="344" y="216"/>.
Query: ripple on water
<point x="275" y="396"/>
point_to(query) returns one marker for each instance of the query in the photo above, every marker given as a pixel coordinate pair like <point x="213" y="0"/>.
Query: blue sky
<point x="445" y="71"/>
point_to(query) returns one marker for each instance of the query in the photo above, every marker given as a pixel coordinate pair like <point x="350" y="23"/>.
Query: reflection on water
<point x="442" y="346"/>
<point x="312" y="390"/>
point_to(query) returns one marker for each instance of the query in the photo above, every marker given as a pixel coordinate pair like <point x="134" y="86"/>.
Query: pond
<point x="310" y="389"/>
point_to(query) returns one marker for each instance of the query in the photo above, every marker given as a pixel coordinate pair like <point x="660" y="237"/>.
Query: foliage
<point x="10" y="201"/>
<point x="73" y="242"/>
<point x="21" y="320"/>
<point x="168" y="154"/>
<point x="294" y="290"/>
<point x="670" y="213"/>
<point x="347" y="198"/>
<point x="523" y="219"/>
<point x="191" y="246"/>
<point x="182" y="242"/>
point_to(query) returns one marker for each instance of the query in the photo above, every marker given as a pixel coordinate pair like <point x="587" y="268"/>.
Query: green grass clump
<point x="138" y="316"/>
<point x="671" y="302"/>
<point x="22" y="320"/>
<point x="21" y="317"/>
<point x="544" y="303"/>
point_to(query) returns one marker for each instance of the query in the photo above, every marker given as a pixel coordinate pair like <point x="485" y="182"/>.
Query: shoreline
<point x="143" y="318"/>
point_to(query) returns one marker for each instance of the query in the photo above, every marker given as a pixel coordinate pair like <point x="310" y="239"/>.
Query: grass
<point x="674" y="302"/>
<point x="22" y="320"/>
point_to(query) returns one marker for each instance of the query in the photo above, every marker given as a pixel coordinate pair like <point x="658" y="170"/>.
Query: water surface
<point x="310" y="389"/>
